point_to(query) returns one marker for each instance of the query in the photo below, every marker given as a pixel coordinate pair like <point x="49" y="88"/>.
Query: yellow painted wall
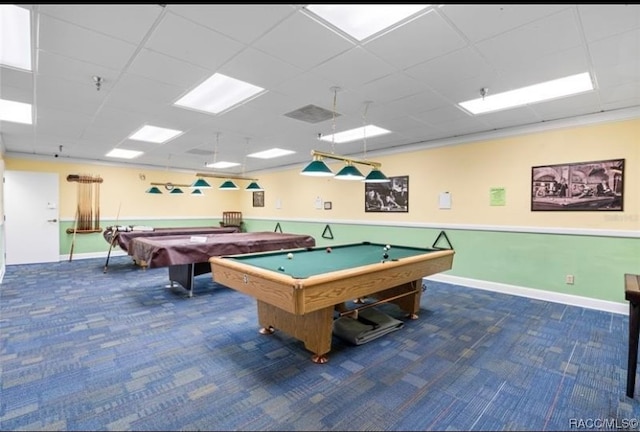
<point x="468" y="172"/>
<point x="122" y="191"/>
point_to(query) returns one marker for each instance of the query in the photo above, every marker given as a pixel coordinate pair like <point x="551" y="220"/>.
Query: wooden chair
<point x="232" y="219"/>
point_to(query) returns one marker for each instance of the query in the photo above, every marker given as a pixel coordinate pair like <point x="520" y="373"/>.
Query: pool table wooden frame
<point x="304" y="308"/>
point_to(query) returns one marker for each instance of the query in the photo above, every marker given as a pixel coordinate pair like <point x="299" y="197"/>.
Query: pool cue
<point x="81" y="201"/>
<point x="90" y="203"/>
<point x="113" y="239"/>
<point x="75" y="229"/>
<point x="97" y="205"/>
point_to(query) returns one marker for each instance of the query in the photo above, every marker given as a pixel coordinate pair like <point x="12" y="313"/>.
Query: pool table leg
<point x="315" y="329"/>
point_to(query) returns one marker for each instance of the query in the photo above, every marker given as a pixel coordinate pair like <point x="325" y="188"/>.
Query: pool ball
<point x="281" y="268"/>
<point x="388" y="247"/>
<point x="328" y="250"/>
<point x="290" y="255"/>
<point x="385" y="256"/>
<point x="385" y="249"/>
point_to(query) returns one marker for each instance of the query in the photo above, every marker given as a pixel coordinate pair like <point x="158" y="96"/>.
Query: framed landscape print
<point x="392" y="196"/>
<point x="578" y="186"/>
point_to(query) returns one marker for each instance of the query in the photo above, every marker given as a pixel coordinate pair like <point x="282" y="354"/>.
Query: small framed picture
<point x="327" y="205"/>
<point x="258" y="199"/>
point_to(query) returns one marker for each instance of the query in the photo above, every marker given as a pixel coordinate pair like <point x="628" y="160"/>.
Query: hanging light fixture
<point x="349" y="172"/>
<point x="253" y="186"/>
<point x="170" y="187"/>
<point x="375" y="176"/>
<point x="228" y="185"/>
<point x="200" y="184"/>
<point x="317" y="167"/>
<point x="197" y="192"/>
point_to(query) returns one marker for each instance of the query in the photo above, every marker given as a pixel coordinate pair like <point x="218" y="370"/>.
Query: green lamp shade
<point x="154" y="190"/>
<point x="228" y="185"/>
<point x="349" y="172"/>
<point x="197" y="192"/>
<point x="200" y="183"/>
<point x="176" y="190"/>
<point x="254" y="187"/>
<point x="317" y="168"/>
<point x="376" y="176"/>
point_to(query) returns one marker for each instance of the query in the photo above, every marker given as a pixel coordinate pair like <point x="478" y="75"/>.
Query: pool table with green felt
<point x="298" y="295"/>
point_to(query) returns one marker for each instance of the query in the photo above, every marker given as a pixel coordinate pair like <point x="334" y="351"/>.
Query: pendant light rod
<point x="225" y="176"/>
<point x="168" y="184"/>
<point x="345" y="159"/>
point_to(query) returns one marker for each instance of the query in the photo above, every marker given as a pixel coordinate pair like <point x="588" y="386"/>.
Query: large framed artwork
<point x="392" y="196"/>
<point x="593" y="186"/>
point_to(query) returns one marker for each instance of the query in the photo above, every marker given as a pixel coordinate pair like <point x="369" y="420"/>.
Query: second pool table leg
<point x="315" y="329"/>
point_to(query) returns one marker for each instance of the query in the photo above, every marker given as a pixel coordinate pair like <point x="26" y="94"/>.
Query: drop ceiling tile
<point x="185" y="40"/>
<point x="313" y="45"/>
<point x="243" y="23"/>
<point x="422" y="39"/>
<point x="127" y="22"/>
<point x="83" y="44"/>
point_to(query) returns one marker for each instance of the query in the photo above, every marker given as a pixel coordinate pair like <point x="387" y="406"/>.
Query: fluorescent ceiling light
<point x="15" y="37"/>
<point x="218" y="93"/>
<point x="16" y="112"/>
<point x="545" y="91"/>
<point x="123" y="154"/>
<point x="221" y="164"/>
<point x="271" y="153"/>
<point x="361" y="20"/>
<point x="362" y="132"/>
<point x="154" y="134"/>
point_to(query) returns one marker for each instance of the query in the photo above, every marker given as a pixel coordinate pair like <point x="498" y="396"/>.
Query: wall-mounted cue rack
<point x="87" y="219"/>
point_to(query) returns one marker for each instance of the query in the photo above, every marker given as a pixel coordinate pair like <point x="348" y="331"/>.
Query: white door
<point x="32" y="233"/>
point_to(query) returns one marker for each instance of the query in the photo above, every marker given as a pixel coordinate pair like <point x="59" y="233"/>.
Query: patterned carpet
<point x="85" y="350"/>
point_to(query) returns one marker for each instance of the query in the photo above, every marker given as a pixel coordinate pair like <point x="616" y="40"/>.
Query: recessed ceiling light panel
<point x="219" y="93"/>
<point x="15" y="37"/>
<point x="123" y="154"/>
<point x="361" y="21"/>
<point x="16" y="112"/>
<point x="154" y="134"/>
<point x="532" y="94"/>
<point x="271" y="153"/>
<point x="360" y="133"/>
<point x="221" y="164"/>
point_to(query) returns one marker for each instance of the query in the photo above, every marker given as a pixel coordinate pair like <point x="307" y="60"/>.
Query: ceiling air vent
<point x="311" y="114"/>
<point x="199" y="152"/>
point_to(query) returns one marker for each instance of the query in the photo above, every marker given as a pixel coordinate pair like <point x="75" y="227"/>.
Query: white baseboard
<point x="93" y="255"/>
<point x="568" y="299"/>
<point x="572" y="300"/>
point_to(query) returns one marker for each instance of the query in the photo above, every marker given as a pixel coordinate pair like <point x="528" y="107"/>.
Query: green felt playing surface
<point x="315" y="261"/>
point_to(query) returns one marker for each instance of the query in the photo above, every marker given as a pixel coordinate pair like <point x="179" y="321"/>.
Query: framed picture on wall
<point x="392" y="196"/>
<point x="258" y="199"/>
<point x="578" y="186"/>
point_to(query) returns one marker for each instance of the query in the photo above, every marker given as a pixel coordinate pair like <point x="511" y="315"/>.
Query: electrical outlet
<point x="569" y="279"/>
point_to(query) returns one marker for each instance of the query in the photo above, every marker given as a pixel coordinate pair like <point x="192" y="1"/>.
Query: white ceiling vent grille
<point x="199" y="152"/>
<point x="311" y="114"/>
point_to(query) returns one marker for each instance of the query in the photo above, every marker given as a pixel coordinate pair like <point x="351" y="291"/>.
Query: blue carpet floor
<point x="87" y="350"/>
